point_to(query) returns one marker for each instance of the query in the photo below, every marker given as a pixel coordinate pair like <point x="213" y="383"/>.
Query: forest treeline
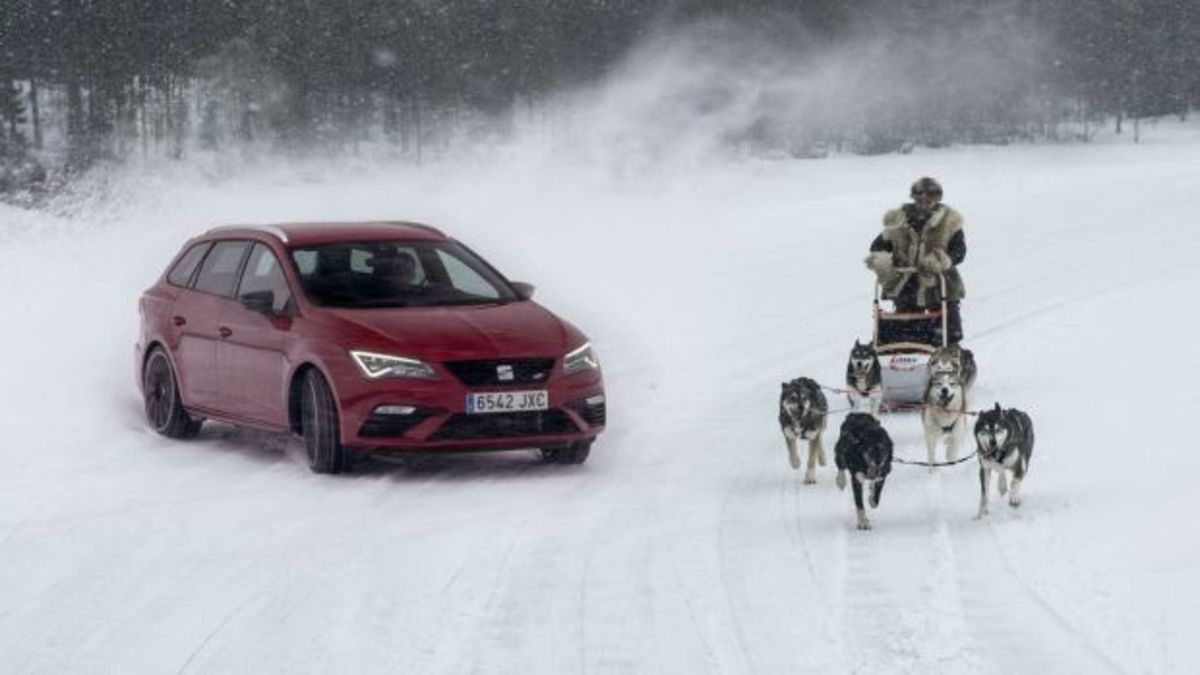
<point x="88" y="79"/>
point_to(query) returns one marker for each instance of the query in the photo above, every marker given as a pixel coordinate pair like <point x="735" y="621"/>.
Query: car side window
<point x="465" y="279"/>
<point x="181" y="273"/>
<point x="306" y="261"/>
<point x="263" y="273"/>
<point x="219" y="273"/>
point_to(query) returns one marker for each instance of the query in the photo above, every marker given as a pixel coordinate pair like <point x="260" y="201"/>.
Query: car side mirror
<point x="524" y="290"/>
<point x="261" y="302"/>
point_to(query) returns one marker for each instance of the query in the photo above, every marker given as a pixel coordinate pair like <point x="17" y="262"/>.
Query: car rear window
<point x="181" y="273"/>
<point x="219" y="273"/>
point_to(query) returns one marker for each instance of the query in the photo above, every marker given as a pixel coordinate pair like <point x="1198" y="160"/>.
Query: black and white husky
<point x="864" y="377"/>
<point x="954" y="359"/>
<point x="944" y="415"/>
<point x="865" y="450"/>
<point x="1004" y="440"/>
<point x="802" y="412"/>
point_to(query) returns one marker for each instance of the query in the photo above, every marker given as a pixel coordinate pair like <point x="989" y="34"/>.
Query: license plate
<point x="508" y="401"/>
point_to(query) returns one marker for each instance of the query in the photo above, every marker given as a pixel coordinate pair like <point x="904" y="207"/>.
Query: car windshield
<point x="397" y="274"/>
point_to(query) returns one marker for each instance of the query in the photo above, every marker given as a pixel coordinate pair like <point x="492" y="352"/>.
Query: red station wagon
<point x="378" y="338"/>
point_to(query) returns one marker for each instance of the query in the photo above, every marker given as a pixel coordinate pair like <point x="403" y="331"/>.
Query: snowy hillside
<point x="686" y="544"/>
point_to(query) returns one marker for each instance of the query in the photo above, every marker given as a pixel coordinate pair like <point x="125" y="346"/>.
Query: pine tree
<point x="12" y="115"/>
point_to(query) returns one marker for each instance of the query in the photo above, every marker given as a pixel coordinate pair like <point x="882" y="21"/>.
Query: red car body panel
<point x="239" y="366"/>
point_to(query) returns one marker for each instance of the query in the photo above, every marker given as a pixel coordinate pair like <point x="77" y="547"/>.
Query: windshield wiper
<point x="378" y="302"/>
<point x="470" y="301"/>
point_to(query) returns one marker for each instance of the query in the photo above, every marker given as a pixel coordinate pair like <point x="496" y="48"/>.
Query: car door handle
<point x="178" y="320"/>
<point x="224" y="332"/>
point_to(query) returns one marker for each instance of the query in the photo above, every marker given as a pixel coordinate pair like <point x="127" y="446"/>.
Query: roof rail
<point x="419" y="226"/>
<point x="265" y="229"/>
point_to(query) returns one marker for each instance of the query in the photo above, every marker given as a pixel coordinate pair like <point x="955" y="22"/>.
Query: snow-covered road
<point x="686" y="544"/>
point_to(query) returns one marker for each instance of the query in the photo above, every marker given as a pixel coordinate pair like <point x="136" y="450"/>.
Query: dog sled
<point x="904" y="341"/>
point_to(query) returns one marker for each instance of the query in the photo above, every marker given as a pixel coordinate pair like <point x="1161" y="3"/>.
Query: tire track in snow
<point x="689" y="603"/>
<point x="907" y="617"/>
<point x="560" y="575"/>
<point x="500" y="612"/>
<point x="224" y="621"/>
<point x="767" y="568"/>
<point x="1016" y="625"/>
<point x="793" y="522"/>
<point x="332" y="561"/>
<point x="535" y="551"/>
<point x="727" y="578"/>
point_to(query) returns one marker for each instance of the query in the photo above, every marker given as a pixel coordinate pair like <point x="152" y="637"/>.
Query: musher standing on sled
<point x="921" y="240"/>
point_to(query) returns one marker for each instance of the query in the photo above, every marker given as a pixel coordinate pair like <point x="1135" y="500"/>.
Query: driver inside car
<point x="395" y="270"/>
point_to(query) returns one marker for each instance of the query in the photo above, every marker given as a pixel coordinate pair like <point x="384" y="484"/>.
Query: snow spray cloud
<point x="716" y="87"/>
<point x="701" y="90"/>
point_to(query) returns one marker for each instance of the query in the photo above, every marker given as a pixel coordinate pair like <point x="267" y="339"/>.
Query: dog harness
<point x="804" y="422"/>
<point x="1000" y="454"/>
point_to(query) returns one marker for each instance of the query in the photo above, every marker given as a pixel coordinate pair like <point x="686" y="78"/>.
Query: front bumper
<point x="432" y="416"/>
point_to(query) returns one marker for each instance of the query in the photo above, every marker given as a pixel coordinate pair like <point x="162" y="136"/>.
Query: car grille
<point x="505" y="425"/>
<point x="487" y="372"/>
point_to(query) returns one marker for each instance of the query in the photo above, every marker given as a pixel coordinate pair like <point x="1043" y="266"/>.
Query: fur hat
<point x="926" y="184"/>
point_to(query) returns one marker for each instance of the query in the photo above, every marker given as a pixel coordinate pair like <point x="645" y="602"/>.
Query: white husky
<point x="945" y="414"/>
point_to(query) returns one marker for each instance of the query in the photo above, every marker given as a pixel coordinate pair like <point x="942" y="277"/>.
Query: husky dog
<point x="865" y="449"/>
<point x="954" y="359"/>
<point x="943" y="416"/>
<point x="1005" y="443"/>
<point x="864" y="377"/>
<point x="802" y="410"/>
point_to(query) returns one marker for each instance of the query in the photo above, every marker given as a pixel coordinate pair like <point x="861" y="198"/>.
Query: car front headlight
<point x="375" y="366"/>
<point x="580" y="359"/>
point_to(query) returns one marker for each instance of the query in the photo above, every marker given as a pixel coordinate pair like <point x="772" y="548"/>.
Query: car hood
<point x="461" y="332"/>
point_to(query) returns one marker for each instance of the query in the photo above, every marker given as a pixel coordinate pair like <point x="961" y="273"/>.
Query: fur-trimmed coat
<point x="936" y="247"/>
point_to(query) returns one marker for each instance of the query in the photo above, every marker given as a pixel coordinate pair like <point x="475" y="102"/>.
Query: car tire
<point x="574" y="453"/>
<point x="161" y="401"/>
<point x="319" y="425"/>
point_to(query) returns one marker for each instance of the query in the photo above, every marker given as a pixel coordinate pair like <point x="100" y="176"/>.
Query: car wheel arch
<point x="295" y="390"/>
<point x="147" y="352"/>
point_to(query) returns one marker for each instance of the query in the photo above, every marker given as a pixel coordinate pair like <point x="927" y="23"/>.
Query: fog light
<point x="395" y="410"/>
<point x="595" y="400"/>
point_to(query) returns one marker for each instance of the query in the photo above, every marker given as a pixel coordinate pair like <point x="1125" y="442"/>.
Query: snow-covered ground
<point x="686" y="544"/>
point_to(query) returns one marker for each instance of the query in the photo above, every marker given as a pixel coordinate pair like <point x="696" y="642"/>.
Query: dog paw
<point x="863" y="523"/>
<point x="841" y="481"/>
<point x="982" y="512"/>
<point x="810" y="479"/>
<point x="1014" y="502"/>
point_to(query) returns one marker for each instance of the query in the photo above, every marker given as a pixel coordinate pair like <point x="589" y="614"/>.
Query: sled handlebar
<point x="944" y="317"/>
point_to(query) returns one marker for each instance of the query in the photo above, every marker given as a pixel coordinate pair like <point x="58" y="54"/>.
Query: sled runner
<point x="904" y="341"/>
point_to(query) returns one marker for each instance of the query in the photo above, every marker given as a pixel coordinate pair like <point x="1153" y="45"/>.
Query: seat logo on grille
<point x="504" y="373"/>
